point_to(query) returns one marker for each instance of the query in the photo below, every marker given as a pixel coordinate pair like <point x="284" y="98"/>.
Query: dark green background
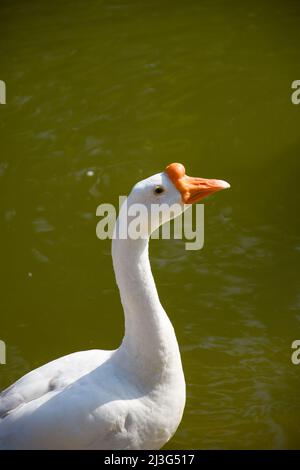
<point x="122" y="88"/>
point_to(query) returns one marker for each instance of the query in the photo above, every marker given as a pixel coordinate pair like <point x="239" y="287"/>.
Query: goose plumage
<point x="129" y="398"/>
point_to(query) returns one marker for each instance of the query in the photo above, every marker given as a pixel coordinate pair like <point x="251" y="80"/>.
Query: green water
<point x="121" y="88"/>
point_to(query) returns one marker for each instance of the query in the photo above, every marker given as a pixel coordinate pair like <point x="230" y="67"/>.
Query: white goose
<point x="129" y="398"/>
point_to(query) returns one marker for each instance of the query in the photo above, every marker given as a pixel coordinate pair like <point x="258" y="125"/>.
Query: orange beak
<point x="193" y="189"/>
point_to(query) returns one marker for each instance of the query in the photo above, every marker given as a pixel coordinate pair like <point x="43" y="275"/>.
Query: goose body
<point x="129" y="398"/>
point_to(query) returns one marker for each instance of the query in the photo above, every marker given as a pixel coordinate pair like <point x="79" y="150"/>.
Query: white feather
<point x="130" y="398"/>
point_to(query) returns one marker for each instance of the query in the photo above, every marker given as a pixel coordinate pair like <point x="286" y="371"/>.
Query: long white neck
<point x="149" y="346"/>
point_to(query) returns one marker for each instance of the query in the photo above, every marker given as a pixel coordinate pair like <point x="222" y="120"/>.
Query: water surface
<point x="101" y="94"/>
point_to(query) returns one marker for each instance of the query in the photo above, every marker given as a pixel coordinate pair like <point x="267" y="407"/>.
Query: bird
<point x="132" y="397"/>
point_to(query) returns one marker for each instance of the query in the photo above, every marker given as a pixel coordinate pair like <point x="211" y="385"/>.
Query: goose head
<point x="166" y="195"/>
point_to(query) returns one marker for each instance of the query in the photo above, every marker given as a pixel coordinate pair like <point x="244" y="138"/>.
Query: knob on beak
<point x="193" y="189"/>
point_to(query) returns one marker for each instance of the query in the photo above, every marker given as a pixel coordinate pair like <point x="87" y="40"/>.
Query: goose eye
<point x="159" y="189"/>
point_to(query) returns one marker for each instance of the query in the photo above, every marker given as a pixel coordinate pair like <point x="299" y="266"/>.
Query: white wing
<point x="63" y="404"/>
